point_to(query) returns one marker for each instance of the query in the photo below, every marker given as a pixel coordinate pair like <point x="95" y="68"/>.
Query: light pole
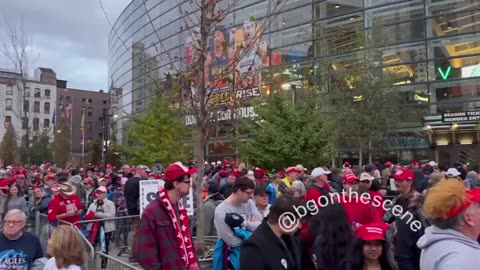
<point x="105" y="136"/>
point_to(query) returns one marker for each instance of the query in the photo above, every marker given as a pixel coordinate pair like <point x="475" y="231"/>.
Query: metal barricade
<point x="42" y="228"/>
<point x="117" y="243"/>
<point x="114" y="263"/>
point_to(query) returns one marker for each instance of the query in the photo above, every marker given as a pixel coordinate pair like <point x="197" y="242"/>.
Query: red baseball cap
<point x="372" y="232"/>
<point x="192" y="171"/>
<point x="404" y="175"/>
<point x="175" y="171"/>
<point x="88" y="181"/>
<point x="110" y="166"/>
<point x="473" y="197"/>
<point x="292" y="170"/>
<point x="349" y="178"/>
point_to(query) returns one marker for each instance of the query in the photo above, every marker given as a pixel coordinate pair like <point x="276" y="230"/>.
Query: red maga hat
<point x="175" y="171"/>
<point x="349" y="178"/>
<point x="292" y="170"/>
<point x="372" y="232"/>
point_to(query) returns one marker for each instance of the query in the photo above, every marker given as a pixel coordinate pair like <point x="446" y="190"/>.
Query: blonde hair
<point x="444" y="196"/>
<point x="67" y="247"/>
<point x="437" y="177"/>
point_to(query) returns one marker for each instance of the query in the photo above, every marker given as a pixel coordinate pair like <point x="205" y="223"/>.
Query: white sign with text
<point x="149" y="192"/>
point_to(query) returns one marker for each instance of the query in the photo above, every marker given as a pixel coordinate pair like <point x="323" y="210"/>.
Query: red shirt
<point x="59" y="206"/>
<point x="314" y="193"/>
<point x="359" y="212"/>
<point x="377" y="200"/>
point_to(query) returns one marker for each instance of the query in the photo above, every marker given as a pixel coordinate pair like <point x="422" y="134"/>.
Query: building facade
<point x="28" y="103"/>
<point x="93" y="106"/>
<point x="433" y="47"/>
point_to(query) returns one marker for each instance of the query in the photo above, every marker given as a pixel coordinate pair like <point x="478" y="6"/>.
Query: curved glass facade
<point x="432" y="45"/>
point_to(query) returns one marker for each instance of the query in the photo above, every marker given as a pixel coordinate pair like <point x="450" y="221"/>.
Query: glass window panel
<point x="293" y="35"/>
<point x="454" y="24"/>
<point x="402" y="32"/>
<point x="395" y="13"/>
<point x="454" y="46"/>
<point x="371" y="3"/>
<point x="452" y="68"/>
<point x="332" y="8"/>
<point x="291" y="18"/>
<point x="339" y="35"/>
<point x="454" y="96"/>
<point x="441" y="7"/>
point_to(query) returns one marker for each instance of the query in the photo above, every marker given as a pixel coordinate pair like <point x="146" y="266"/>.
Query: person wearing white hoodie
<point x="451" y="242"/>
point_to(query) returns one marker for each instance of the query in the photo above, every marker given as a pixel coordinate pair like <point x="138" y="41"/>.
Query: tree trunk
<point x="200" y="158"/>
<point x="360" y="158"/>
<point x="370" y="151"/>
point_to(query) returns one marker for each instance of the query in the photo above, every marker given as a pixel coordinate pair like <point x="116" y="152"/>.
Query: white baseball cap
<point x="319" y="171"/>
<point x="300" y="167"/>
<point x="365" y="176"/>
<point x="432" y="163"/>
<point x="452" y="172"/>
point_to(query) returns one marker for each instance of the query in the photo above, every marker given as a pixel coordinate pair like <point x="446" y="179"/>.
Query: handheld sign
<point x="148" y="192"/>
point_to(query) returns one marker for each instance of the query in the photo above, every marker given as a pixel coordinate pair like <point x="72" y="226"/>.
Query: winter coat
<point x="220" y="261"/>
<point x="108" y="212"/>
<point x="42" y="205"/>
<point x="209" y="210"/>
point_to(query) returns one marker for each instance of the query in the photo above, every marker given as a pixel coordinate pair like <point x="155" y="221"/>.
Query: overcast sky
<point x="69" y="36"/>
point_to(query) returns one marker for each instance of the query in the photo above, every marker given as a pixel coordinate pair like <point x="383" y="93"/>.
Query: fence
<point x="120" y="242"/>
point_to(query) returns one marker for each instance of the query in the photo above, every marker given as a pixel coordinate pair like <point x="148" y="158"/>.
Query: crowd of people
<point x="378" y="216"/>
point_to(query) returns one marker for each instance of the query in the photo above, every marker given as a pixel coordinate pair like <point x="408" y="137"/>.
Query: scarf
<point x="182" y="230"/>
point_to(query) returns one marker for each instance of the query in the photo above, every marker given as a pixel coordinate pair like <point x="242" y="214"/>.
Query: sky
<point x="68" y="36"/>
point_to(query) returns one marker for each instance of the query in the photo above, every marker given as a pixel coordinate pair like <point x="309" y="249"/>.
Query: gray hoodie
<point x="447" y="250"/>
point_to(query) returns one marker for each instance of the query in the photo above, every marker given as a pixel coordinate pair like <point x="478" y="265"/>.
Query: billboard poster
<point x="233" y="64"/>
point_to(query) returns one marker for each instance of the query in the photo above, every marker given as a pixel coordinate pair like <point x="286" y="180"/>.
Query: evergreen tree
<point x="8" y="146"/>
<point x="95" y="152"/>
<point x="160" y="133"/>
<point x="285" y="134"/>
<point x="40" y="150"/>
<point x="61" y="143"/>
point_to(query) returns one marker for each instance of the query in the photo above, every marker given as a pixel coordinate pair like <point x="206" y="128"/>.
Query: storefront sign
<point x="405" y="142"/>
<point x="226" y="115"/>
<point x="460" y="117"/>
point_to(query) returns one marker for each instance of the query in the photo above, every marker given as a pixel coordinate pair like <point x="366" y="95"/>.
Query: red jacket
<point x="377" y="199"/>
<point x="59" y="206"/>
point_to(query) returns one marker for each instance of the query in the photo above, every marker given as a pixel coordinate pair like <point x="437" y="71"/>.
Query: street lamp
<point x="105" y="141"/>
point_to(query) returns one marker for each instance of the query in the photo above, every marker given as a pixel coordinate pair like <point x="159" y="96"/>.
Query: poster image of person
<point x="251" y="56"/>
<point x="219" y="60"/>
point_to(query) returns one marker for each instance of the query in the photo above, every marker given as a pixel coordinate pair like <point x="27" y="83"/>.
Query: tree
<point x="18" y="50"/>
<point x="8" y="146"/>
<point x="61" y="142"/>
<point x="160" y="133"/>
<point x="364" y="100"/>
<point x="95" y="152"/>
<point x="40" y="150"/>
<point x="285" y="134"/>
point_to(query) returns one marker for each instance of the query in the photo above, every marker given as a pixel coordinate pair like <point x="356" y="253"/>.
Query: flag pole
<point x="83" y="134"/>
<point x="71" y="128"/>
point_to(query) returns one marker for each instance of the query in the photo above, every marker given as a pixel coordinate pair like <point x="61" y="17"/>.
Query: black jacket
<point x="264" y="251"/>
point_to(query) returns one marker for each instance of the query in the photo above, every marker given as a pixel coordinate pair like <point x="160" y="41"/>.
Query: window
<point x="89" y="126"/>
<point x="27" y="91"/>
<point x="89" y="100"/>
<point x="9" y="90"/>
<point x="46" y="107"/>
<point x="26" y="105"/>
<point x="47" y="93"/>
<point x="37" y="93"/>
<point x="36" y="107"/>
<point x="36" y="123"/>
<point x="24" y="122"/>
<point x="46" y="123"/>
<point x="89" y="111"/>
<point x="105" y="102"/>
<point x="8" y="121"/>
<point x="8" y="104"/>
<point x="83" y="100"/>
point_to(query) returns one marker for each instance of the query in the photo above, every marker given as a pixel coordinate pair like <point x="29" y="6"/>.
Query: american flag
<point x="69" y="110"/>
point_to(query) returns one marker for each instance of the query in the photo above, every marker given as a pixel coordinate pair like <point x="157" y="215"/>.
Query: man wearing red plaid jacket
<point x="164" y="239"/>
